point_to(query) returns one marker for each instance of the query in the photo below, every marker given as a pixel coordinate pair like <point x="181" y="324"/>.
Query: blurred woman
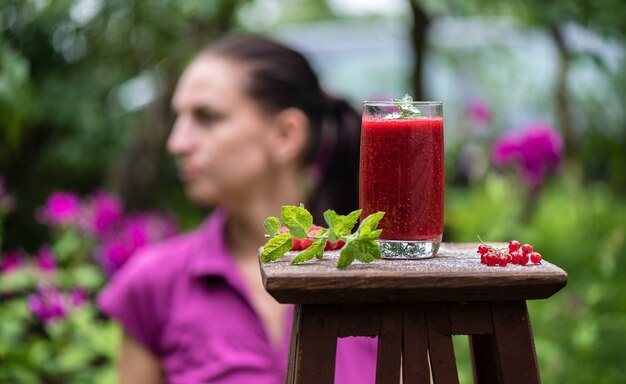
<point x="254" y="131"/>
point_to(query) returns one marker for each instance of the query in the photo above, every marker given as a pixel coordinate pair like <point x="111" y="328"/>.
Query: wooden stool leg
<point x="389" y="344"/>
<point x="441" y="350"/>
<point x="313" y="345"/>
<point x="415" y="368"/>
<point x="514" y="343"/>
<point x="484" y="359"/>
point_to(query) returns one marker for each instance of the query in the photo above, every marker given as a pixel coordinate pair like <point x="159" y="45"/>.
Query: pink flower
<point x="138" y="230"/>
<point x="47" y="304"/>
<point x="78" y="297"/>
<point x="535" y="152"/>
<point x="505" y="149"/>
<point x="12" y="260"/>
<point x="479" y="112"/>
<point x="50" y="304"/>
<point x="45" y="260"/>
<point x="61" y="208"/>
<point x="114" y="254"/>
<point x="105" y="212"/>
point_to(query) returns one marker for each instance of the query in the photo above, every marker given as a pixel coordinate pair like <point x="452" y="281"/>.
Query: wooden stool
<point x="414" y="307"/>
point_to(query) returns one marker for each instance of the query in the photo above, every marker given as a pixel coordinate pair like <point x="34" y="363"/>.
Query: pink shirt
<point x="186" y="302"/>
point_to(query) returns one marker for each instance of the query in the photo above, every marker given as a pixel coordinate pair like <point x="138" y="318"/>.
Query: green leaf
<point x="276" y="247"/>
<point x="340" y="225"/>
<point x="370" y="223"/>
<point x="315" y="249"/>
<point x="371" y="235"/>
<point x="272" y="226"/>
<point x="297" y="219"/>
<point x="67" y="246"/>
<point x="17" y="280"/>
<point x="363" y="250"/>
<point x="345" y="258"/>
<point x="83" y="275"/>
<point x="408" y="110"/>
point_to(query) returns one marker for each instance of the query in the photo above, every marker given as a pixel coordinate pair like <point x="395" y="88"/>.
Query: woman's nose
<point x="180" y="141"/>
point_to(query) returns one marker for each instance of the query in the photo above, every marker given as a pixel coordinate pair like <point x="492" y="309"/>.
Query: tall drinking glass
<point x="402" y="174"/>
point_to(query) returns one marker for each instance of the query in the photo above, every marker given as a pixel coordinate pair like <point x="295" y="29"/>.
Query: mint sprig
<point x="298" y="221"/>
<point x="408" y="110"/>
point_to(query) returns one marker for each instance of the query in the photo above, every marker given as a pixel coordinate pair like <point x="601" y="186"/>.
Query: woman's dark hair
<point x="281" y="78"/>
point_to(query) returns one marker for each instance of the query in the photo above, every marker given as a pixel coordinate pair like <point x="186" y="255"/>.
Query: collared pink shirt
<point x="186" y="302"/>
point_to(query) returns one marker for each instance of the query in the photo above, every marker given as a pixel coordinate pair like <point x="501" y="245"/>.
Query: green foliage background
<point x="64" y="125"/>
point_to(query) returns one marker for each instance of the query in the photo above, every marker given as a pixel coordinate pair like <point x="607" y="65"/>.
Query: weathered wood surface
<point x="455" y="274"/>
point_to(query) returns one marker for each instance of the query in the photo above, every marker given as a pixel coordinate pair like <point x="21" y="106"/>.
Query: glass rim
<point x="397" y="103"/>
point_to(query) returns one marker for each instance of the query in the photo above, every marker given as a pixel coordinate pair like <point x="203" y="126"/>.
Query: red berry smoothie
<point x="402" y="174"/>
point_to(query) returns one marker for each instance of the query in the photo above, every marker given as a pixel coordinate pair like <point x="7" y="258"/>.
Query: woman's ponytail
<point x="335" y="169"/>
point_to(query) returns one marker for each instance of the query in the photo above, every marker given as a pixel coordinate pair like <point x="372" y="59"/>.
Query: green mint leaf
<point x="272" y="226"/>
<point x="276" y="247"/>
<point x="345" y="258"/>
<point x="297" y="219"/>
<point x="408" y="110"/>
<point x="348" y="222"/>
<point x="369" y="224"/>
<point x="363" y="250"/>
<point x="339" y="225"/>
<point x="322" y="233"/>
<point x="371" y="235"/>
<point x="315" y="249"/>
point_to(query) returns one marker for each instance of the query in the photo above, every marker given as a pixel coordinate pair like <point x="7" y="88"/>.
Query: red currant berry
<point x="514" y="246"/>
<point x="491" y="259"/>
<point x="482" y="249"/>
<point x="483" y="259"/>
<point x="333" y="246"/>
<point x="305" y="243"/>
<point x="535" y="257"/>
<point x="515" y="257"/>
<point x="523" y="259"/>
<point x="503" y="260"/>
<point x="527" y="248"/>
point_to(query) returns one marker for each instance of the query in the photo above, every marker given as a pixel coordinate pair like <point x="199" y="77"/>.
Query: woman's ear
<point x="289" y="136"/>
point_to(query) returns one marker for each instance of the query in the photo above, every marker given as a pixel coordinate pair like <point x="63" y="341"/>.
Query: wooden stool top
<point x="455" y="274"/>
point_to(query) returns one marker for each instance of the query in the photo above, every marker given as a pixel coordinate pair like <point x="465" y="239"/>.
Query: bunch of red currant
<point x="515" y="254"/>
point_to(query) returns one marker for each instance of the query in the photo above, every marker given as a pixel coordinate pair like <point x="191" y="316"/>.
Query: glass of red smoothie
<point x="401" y="173"/>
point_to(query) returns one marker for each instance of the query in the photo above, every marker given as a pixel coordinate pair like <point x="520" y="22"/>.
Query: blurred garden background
<point x="533" y="94"/>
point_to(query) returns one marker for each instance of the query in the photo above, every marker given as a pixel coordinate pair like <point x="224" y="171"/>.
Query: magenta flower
<point x="78" y="297"/>
<point x="48" y="304"/>
<point x="12" y="260"/>
<point x="105" y="212"/>
<point x="505" y="149"/>
<point x="137" y="231"/>
<point x="61" y="208"/>
<point x="479" y="112"/>
<point x="535" y="152"/>
<point x="45" y="260"/>
<point x="114" y="254"/>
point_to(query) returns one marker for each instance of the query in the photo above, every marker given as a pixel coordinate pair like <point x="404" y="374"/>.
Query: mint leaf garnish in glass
<point x="408" y="110"/>
<point x="313" y="240"/>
